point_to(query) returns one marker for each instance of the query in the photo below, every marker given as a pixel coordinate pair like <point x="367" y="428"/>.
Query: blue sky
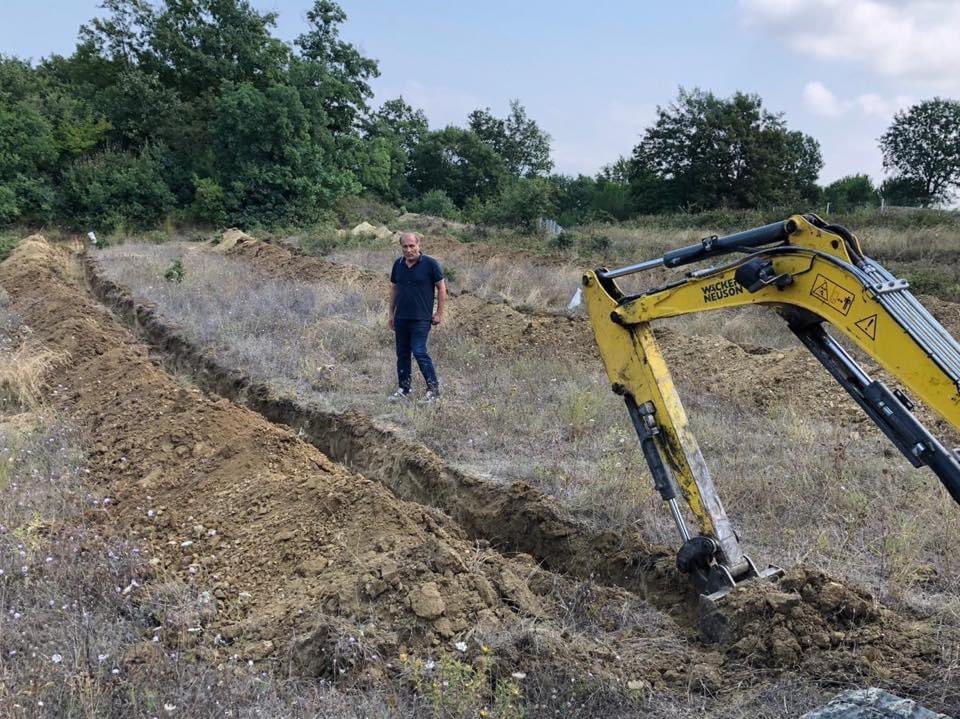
<point x="592" y="74"/>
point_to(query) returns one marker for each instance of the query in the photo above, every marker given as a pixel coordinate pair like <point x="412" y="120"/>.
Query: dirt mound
<point x="231" y="238"/>
<point x="381" y="232"/>
<point x="810" y="621"/>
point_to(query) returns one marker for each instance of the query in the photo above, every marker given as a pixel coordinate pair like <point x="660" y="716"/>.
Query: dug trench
<point x="810" y="623"/>
<point x="306" y="563"/>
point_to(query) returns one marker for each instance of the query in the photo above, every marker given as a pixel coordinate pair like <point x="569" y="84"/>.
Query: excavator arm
<point x="811" y="274"/>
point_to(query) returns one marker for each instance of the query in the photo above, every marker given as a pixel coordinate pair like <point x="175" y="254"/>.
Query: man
<point x="416" y="279"/>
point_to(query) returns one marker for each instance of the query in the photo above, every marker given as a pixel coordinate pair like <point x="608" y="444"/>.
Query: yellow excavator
<point x="811" y="273"/>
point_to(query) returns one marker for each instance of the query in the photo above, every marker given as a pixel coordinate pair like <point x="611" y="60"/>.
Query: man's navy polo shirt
<point x="415" y="287"/>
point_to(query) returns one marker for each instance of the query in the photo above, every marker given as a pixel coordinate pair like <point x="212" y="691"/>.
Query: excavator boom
<point x="811" y="274"/>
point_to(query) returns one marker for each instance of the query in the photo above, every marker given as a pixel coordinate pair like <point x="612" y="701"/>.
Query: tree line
<point x="193" y="108"/>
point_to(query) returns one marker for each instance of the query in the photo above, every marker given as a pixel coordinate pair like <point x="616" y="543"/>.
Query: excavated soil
<point x="289" y="543"/>
<point x="298" y="552"/>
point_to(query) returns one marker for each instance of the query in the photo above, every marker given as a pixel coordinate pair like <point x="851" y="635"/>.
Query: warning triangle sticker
<point x="868" y="325"/>
<point x="820" y="291"/>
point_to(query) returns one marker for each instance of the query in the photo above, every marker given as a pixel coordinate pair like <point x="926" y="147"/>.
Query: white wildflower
<point x="56" y="658"/>
<point x="519" y="675"/>
<point x="460" y="646"/>
<point x="169" y="708"/>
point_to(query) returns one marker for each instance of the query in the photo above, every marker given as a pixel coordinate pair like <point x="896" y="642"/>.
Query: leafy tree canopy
<point x="524" y="147"/>
<point x="713" y="152"/>
<point x="923" y="145"/>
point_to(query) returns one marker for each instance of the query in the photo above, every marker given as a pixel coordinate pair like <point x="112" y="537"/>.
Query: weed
<point x="174" y="273"/>
<point x="454" y="688"/>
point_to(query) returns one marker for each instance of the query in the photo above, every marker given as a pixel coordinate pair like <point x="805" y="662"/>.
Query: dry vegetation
<point x="799" y="486"/>
<point x="75" y="642"/>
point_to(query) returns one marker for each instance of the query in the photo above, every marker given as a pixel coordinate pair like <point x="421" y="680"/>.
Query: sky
<point x="593" y="73"/>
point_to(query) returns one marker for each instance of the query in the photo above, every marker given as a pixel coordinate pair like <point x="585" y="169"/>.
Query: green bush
<point x="436" y="203"/>
<point x="209" y="202"/>
<point x="521" y="204"/>
<point x="354" y="209"/>
<point x="174" y="272"/>
<point x="116" y="189"/>
<point x="320" y="242"/>
<point x="595" y="243"/>
<point x="7" y="243"/>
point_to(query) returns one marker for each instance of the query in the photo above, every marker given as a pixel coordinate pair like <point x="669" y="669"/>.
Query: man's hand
<point x="437" y="316"/>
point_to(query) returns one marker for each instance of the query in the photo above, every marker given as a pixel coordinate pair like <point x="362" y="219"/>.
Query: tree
<point x="712" y="152"/>
<point x="397" y="120"/>
<point x="266" y="160"/>
<point x="459" y="163"/>
<point x="904" y="191"/>
<point x="923" y="144"/>
<point x="392" y="133"/>
<point x="521" y="202"/>
<point x="524" y="147"/>
<point x="850" y="193"/>
<point x="181" y="74"/>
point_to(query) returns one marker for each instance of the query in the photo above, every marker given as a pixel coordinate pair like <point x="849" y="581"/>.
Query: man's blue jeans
<point x="412" y="338"/>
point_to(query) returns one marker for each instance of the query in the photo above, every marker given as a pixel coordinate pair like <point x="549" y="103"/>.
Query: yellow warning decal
<point x="868" y="325"/>
<point x="830" y="293"/>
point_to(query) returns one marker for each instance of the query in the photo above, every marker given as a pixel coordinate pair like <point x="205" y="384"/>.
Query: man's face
<point x="410" y="246"/>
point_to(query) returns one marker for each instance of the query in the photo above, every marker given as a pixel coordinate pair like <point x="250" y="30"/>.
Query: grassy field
<point x="554" y="423"/>
<point x="76" y="635"/>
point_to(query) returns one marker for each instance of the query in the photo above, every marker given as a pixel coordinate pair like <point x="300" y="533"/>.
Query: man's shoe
<point x="399" y="396"/>
<point x="431" y="395"/>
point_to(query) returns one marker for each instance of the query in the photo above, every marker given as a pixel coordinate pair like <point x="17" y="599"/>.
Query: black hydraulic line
<point x="708" y="247"/>
<point x="883" y="406"/>
<point x="661" y="475"/>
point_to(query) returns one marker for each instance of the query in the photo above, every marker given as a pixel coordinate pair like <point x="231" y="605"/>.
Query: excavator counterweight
<point x="812" y="274"/>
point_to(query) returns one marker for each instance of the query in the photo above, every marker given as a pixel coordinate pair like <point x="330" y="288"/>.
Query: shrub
<point x="115" y="189"/>
<point x="521" y="204"/>
<point x="209" y="202"/>
<point x="354" y="209"/>
<point x="174" y="272"/>
<point x="321" y="242"/>
<point x="438" y="204"/>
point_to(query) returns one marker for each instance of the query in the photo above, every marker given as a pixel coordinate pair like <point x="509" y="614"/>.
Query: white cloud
<point x="821" y="100"/>
<point x="902" y="39"/>
<point x="873" y="104"/>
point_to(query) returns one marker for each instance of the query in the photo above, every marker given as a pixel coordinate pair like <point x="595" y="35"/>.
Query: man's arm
<point x="441" y="301"/>
<point x="392" y="310"/>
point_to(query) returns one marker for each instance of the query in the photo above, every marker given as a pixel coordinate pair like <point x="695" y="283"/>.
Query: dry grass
<point x="22" y="373"/>
<point x="529" y="284"/>
<point x="796" y="488"/>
